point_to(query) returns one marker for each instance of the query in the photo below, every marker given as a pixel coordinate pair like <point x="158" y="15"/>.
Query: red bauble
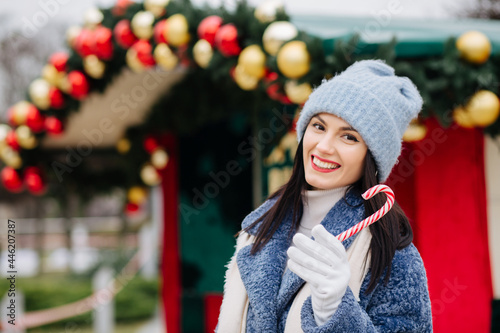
<point x="59" y="60"/>
<point x="144" y="52"/>
<point x="270" y="77"/>
<point x="150" y="144"/>
<point x="208" y="28"/>
<point x="158" y="32"/>
<point x="121" y="7"/>
<point x="11" y="140"/>
<point x="34" y="180"/>
<point x="85" y="43"/>
<point x="56" y="98"/>
<point x="53" y="125"/>
<point x="131" y="208"/>
<point x="79" y="85"/>
<point x="35" y="120"/>
<point x="11" y="179"/>
<point x="103" y="43"/>
<point x="226" y="40"/>
<point x="124" y="35"/>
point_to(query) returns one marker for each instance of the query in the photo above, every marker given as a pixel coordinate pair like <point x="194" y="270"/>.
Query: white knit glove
<point x="322" y="263"/>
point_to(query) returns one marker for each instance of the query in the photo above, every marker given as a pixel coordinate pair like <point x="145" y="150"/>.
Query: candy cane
<point x="374" y="217"/>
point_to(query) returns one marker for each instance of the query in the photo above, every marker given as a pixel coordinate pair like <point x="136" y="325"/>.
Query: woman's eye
<point x="351" y="137"/>
<point x="318" y="126"/>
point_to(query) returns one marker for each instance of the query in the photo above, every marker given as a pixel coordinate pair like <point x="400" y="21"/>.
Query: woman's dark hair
<point x="392" y="232"/>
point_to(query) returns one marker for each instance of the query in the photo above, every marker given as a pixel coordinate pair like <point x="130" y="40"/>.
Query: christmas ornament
<point x="34" y="181"/>
<point x="53" y="126"/>
<point x="11" y="179"/>
<point x="52" y="75"/>
<point x="11" y="140"/>
<point x="176" y="30"/>
<point x="139" y="56"/>
<point x="76" y="84"/>
<point x="158" y="32"/>
<point x="294" y="59"/>
<point x="59" y="60"/>
<point x="298" y="93"/>
<point x="18" y="113"/>
<point x="164" y="57"/>
<point x="35" y="120"/>
<point x="39" y="93"/>
<point x="56" y="98"/>
<point x="150" y="144"/>
<point x="414" y="132"/>
<point x="120" y="7"/>
<point x="268" y="10"/>
<point x="85" y="43"/>
<point x="208" y="27"/>
<point x="203" y="53"/>
<point x="226" y="40"/>
<point x="11" y="157"/>
<point x="474" y="46"/>
<point x="149" y="175"/>
<point x="159" y="158"/>
<point x="142" y="24"/>
<point x="462" y="117"/>
<point x="137" y="195"/>
<point x="94" y="67"/>
<point x="483" y="108"/>
<point x="253" y="61"/>
<point x="25" y="137"/>
<point x="123" y="146"/>
<point x="157" y="7"/>
<point x="123" y="34"/>
<point x="131" y="208"/>
<point x="72" y="34"/>
<point x="276" y="34"/>
<point x="244" y="80"/>
<point x="103" y="43"/>
<point x="92" y="17"/>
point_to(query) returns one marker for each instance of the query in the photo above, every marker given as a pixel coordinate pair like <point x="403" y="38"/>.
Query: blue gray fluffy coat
<point x="402" y="305"/>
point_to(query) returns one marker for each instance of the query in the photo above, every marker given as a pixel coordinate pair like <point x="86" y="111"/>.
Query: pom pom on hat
<point x="374" y="101"/>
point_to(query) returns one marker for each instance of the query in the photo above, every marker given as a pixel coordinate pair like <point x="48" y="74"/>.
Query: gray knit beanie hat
<point x="374" y="101"/>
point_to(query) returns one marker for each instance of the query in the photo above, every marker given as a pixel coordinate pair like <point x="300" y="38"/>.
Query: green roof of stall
<point x="415" y="37"/>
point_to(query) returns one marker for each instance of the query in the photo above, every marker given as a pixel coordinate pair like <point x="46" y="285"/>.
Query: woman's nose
<point x="326" y="146"/>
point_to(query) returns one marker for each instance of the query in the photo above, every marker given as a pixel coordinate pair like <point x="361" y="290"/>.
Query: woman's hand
<point x="322" y="263"/>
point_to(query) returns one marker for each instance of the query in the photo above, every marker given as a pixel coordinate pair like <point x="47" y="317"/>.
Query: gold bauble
<point x="142" y="24"/>
<point x="20" y="110"/>
<point x="414" y="132"/>
<point x="203" y="53"/>
<point x="276" y="34"/>
<point x="177" y="30"/>
<point x="92" y="17"/>
<point x="244" y="80"/>
<point x="123" y="146"/>
<point x="137" y="194"/>
<point x="474" y="46"/>
<point x="462" y="117"/>
<point x="165" y="57"/>
<point x="298" y="93"/>
<point x="159" y="158"/>
<point x="25" y="137"/>
<point x="72" y="33"/>
<point x="94" y="67"/>
<point x="253" y="61"/>
<point x="39" y="93"/>
<point x="52" y="75"/>
<point x="483" y="108"/>
<point x="157" y="7"/>
<point x="294" y="59"/>
<point x="11" y="157"/>
<point x="133" y="61"/>
<point x="267" y="10"/>
<point x="149" y="175"/>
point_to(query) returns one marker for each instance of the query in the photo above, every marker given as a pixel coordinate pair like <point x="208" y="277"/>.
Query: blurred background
<point x="127" y="171"/>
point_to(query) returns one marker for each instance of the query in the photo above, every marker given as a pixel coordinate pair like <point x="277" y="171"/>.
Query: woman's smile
<point x="323" y="165"/>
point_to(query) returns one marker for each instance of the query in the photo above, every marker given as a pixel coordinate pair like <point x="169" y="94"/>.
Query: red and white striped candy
<point x="374" y="217"/>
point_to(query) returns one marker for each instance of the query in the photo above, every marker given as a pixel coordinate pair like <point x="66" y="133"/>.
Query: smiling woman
<point x="349" y="134"/>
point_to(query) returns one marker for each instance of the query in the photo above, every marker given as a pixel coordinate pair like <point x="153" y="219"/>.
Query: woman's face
<point x="334" y="152"/>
